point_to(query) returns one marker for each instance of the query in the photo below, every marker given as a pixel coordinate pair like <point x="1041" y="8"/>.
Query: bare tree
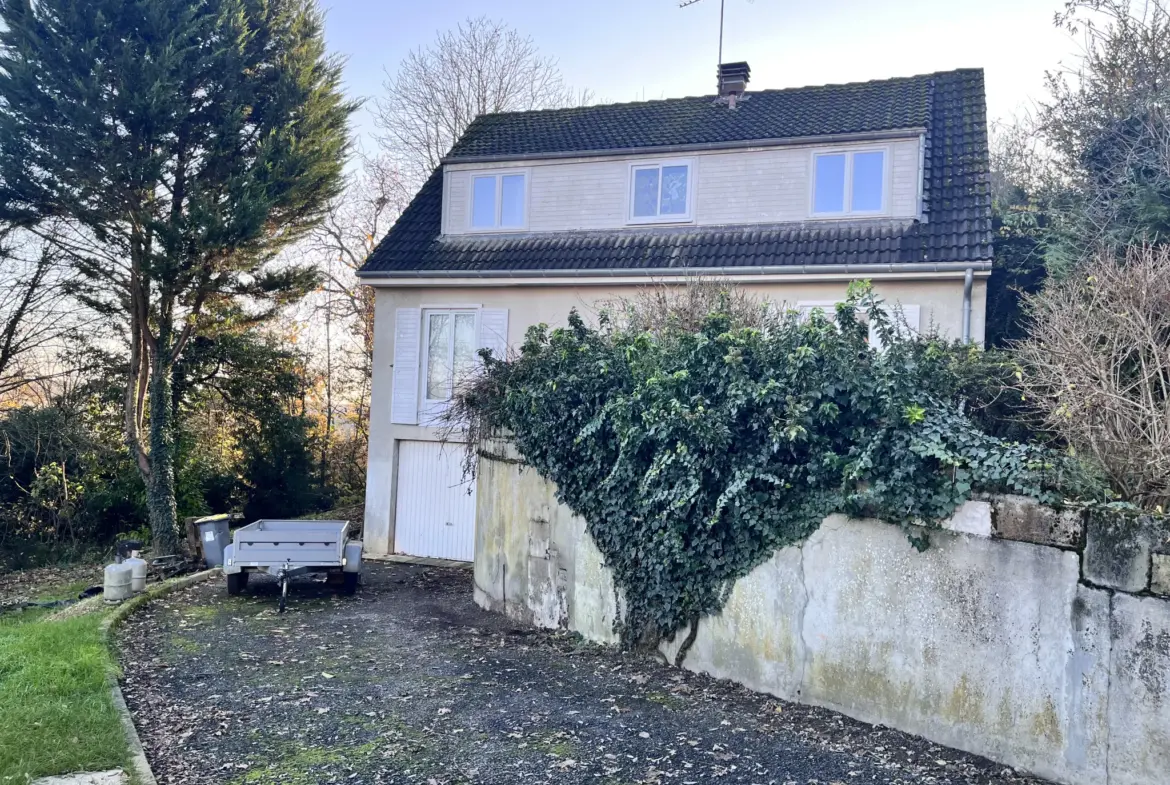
<point x="37" y="318"/>
<point x="339" y="317"/>
<point x="1105" y="127"/>
<point x="1097" y="367"/>
<point x="356" y="221"/>
<point x="1019" y="160"/>
<point x="482" y="66"/>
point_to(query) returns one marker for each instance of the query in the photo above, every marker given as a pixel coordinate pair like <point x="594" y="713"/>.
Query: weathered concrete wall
<point x="998" y="646"/>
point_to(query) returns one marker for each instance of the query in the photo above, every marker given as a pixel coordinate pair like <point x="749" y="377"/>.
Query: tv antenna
<point x="722" y="3"/>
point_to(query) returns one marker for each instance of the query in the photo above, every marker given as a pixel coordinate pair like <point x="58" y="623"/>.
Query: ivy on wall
<point x="692" y="454"/>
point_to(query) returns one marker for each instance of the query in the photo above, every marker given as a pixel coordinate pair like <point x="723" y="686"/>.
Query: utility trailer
<point x="289" y="548"/>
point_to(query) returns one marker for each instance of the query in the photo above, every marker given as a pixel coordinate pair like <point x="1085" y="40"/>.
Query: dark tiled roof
<point x="766" y="114"/>
<point x="956" y="193"/>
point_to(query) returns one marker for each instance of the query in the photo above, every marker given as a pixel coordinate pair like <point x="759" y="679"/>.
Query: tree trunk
<point x="160" y="488"/>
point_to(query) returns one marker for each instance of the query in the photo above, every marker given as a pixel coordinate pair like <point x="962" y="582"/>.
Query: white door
<point x="435" y="513"/>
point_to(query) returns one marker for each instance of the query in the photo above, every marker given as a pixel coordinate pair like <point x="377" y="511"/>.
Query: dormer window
<point x="660" y="192"/>
<point x="499" y="201"/>
<point x="851" y="182"/>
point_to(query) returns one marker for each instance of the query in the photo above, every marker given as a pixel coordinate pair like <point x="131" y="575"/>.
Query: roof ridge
<point x="711" y="96"/>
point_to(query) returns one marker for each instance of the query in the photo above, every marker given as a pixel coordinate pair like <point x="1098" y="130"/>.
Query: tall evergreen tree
<point x="187" y="142"/>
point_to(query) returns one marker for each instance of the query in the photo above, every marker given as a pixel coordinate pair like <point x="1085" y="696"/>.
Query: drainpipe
<point x="968" y="283"/>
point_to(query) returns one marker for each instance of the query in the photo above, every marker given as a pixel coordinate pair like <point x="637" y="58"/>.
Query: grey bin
<point x="213" y="534"/>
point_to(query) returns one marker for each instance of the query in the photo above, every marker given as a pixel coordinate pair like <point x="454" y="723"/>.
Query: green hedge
<point x="693" y="454"/>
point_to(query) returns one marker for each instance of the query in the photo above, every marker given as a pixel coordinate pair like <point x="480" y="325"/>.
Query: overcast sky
<point x="628" y="50"/>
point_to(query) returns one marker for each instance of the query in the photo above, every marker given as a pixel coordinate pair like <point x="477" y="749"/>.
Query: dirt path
<point x="410" y="682"/>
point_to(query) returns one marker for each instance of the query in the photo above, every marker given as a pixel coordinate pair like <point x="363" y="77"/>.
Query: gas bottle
<point x="117" y="584"/>
<point x="137" y="574"/>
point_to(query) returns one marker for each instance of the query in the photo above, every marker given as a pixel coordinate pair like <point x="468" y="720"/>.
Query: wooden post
<point x="194" y="547"/>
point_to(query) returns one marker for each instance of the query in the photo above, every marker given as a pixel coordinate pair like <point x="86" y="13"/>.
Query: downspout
<point x="968" y="283"/>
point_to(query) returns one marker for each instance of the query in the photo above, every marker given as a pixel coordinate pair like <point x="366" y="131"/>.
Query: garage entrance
<point x="435" y="511"/>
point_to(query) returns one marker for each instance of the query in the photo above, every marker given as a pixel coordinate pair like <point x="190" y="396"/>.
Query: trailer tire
<point x="237" y="582"/>
<point x="349" y="587"/>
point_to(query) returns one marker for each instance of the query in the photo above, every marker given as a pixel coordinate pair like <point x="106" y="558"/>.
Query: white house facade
<point x="790" y="193"/>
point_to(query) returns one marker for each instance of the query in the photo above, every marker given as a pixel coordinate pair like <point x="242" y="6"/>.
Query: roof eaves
<point x="794" y="269"/>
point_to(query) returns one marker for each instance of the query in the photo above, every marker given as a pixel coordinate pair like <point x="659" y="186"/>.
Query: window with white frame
<point x="498" y="201"/>
<point x="660" y="192"/>
<point x="851" y="182"/>
<point x="449" y="345"/>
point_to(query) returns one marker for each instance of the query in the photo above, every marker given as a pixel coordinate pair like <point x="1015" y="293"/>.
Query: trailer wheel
<point x="237" y="582"/>
<point x="350" y="585"/>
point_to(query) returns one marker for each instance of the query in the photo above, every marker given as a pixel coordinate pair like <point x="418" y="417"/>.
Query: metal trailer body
<point x="288" y="548"/>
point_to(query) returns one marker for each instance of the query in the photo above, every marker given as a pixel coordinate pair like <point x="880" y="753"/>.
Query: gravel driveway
<point x="410" y="682"/>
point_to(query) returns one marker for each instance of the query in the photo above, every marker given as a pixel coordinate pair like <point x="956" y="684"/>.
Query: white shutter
<point x="404" y="398"/>
<point x="493" y="331"/>
<point x="898" y="313"/>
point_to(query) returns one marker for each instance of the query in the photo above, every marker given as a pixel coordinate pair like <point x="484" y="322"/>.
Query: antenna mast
<point x="685" y="3"/>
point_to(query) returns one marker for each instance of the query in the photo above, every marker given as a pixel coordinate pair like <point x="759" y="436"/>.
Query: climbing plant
<point x="693" y="453"/>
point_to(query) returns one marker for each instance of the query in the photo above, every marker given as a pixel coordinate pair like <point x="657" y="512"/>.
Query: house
<point x="792" y="193"/>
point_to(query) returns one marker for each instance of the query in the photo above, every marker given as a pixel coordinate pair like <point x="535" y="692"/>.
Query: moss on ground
<point x="304" y="765"/>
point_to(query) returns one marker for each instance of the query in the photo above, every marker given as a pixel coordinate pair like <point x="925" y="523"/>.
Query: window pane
<point x="645" y="193"/>
<point x="512" y="200"/>
<point x="465" y="359"/>
<point x="868" y="181"/>
<point x="674" y="190"/>
<point x="438" y="360"/>
<point x="483" y="202"/>
<point x="829" y="193"/>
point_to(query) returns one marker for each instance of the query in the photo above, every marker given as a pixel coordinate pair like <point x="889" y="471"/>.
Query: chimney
<point x="733" y="79"/>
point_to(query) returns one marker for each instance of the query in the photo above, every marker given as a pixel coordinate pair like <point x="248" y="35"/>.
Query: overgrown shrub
<point x="66" y="482"/>
<point x="694" y="450"/>
<point x="1097" y="366"/>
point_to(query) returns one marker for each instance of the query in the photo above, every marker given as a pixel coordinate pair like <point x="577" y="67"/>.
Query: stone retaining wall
<point x="1040" y="639"/>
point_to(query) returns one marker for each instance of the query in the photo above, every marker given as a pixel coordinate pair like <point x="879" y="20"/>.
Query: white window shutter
<point x="493" y="331"/>
<point x="404" y="398"/>
<point x="912" y="315"/>
<point x="898" y="312"/>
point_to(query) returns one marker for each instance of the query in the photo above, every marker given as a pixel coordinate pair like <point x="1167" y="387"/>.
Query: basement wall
<point x="1038" y="639"/>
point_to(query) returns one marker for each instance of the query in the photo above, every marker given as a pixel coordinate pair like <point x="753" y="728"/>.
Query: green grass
<point x="56" y="714"/>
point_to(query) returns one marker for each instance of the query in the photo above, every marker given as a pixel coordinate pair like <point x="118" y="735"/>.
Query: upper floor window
<point x="660" y="192"/>
<point x="498" y="200"/>
<point x="849" y="183"/>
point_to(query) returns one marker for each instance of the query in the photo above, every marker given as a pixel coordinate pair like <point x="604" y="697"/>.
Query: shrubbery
<point x="693" y="448"/>
<point x="64" y="482"/>
<point x="1097" y="366"/>
<point x="68" y="484"/>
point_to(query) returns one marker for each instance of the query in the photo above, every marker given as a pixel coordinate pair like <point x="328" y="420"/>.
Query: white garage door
<point x="435" y="513"/>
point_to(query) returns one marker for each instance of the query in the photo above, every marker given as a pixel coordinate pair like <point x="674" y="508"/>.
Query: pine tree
<point x="186" y="142"/>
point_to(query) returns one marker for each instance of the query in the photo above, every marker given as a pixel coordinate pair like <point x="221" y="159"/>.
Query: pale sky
<point x="628" y="50"/>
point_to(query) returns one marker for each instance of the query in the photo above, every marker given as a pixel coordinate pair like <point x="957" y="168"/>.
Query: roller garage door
<point x="435" y="512"/>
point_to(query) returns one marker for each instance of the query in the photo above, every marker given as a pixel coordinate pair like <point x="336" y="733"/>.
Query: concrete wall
<point x="996" y="646"/>
<point x="940" y="299"/>
<point x="765" y="185"/>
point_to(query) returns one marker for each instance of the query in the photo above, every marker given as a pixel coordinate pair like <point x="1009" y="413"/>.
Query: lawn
<point x="56" y="714"/>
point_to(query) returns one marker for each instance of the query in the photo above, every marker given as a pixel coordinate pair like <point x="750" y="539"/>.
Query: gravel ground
<point x="410" y="682"/>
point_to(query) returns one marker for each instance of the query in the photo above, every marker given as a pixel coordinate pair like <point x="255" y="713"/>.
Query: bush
<point x="1096" y="364"/>
<point x="66" y="481"/>
<point x="694" y="450"/>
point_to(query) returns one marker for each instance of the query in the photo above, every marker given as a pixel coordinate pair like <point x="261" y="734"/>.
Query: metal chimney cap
<point x="733" y="78"/>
